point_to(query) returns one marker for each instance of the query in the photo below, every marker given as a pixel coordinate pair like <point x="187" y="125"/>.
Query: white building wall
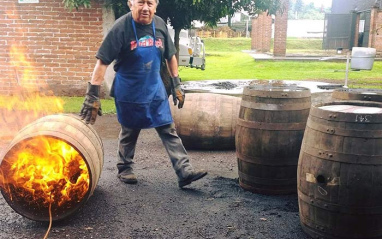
<point x="305" y="28"/>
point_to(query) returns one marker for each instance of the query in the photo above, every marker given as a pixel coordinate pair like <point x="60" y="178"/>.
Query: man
<point x="138" y="42"/>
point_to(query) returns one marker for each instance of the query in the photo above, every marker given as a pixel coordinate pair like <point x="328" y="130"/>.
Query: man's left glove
<point x="92" y="104"/>
<point x="177" y="92"/>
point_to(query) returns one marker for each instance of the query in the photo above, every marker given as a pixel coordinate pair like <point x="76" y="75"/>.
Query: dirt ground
<point x="214" y="207"/>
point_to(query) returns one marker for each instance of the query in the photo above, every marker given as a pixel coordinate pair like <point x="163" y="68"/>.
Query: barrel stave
<point x="207" y="121"/>
<point x="339" y="175"/>
<point x="268" y="137"/>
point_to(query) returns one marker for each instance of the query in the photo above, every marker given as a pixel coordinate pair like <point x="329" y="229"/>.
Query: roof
<point x="346" y="6"/>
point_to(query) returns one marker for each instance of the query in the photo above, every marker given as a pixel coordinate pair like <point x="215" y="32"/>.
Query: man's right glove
<point x="177" y="92"/>
<point x="92" y="104"/>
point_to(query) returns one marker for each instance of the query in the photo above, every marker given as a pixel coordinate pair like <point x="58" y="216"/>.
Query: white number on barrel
<point x="362" y="118"/>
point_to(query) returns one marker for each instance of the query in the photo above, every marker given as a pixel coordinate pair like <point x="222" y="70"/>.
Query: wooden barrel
<point x="269" y="132"/>
<point x="62" y="127"/>
<point x="340" y="171"/>
<point x="207" y="121"/>
<point x="357" y="94"/>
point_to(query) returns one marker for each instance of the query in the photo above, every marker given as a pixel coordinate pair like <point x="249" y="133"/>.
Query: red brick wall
<point x="377" y="36"/>
<point x="55" y="48"/>
<point x="280" y="35"/>
<point x="261" y="33"/>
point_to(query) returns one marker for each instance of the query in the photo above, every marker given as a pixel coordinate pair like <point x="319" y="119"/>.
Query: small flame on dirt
<point x="44" y="170"/>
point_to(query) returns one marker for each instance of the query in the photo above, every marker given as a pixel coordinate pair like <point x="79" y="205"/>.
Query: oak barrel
<point x="207" y="121"/>
<point x="71" y="130"/>
<point x="357" y="94"/>
<point x="340" y="171"/>
<point x="269" y="132"/>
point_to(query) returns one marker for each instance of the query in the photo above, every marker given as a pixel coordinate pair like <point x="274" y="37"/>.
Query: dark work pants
<point x="171" y="141"/>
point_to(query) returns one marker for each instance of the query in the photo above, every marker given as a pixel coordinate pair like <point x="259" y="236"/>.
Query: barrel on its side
<point x="72" y="130"/>
<point x="340" y="171"/>
<point x="269" y="132"/>
<point x="207" y="121"/>
<point x="357" y="94"/>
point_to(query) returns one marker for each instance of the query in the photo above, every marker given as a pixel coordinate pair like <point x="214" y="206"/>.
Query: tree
<point x="299" y="10"/>
<point x="298" y="7"/>
<point x="181" y="13"/>
<point x="70" y="4"/>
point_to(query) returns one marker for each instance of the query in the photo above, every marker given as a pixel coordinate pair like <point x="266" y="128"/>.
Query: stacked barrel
<point x="331" y="153"/>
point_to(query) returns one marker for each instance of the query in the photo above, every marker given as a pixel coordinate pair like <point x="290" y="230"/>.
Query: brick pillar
<point x="261" y="33"/>
<point x="281" y="26"/>
<point x="356" y="33"/>
<point x="373" y="26"/>
<point x="377" y="33"/>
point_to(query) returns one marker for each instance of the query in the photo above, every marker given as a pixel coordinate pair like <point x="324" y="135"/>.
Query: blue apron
<point x="140" y="96"/>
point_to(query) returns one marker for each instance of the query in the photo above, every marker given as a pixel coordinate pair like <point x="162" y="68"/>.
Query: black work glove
<point x="92" y="104"/>
<point x="177" y="92"/>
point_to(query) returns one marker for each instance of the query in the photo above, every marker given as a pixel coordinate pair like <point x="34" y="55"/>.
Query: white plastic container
<point x="362" y="58"/>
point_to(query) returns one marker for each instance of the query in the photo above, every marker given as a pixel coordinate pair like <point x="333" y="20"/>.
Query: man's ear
<point x="129" y="4"/>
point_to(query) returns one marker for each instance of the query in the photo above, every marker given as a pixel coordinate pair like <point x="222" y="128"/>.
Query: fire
<point x="44" y="171"/>
<point x="39" y="173"/>
<point x="31" y="99"/>
<point x="28" y="99"/>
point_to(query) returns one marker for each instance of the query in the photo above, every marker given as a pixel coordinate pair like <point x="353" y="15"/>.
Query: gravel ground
<point x="214" y="207"/>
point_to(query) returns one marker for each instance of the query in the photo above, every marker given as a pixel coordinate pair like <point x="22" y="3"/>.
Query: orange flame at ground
<point x="43" y="171"/>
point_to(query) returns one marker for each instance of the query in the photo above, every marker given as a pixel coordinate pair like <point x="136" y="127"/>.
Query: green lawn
<point x="74" y="104"/>
<point x="225" y="60"/>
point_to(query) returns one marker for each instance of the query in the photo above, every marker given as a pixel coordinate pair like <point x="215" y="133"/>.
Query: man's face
<point x="143" y="10"/>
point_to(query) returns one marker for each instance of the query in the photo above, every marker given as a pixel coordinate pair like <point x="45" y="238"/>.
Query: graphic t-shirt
<point x="120" y="40"/>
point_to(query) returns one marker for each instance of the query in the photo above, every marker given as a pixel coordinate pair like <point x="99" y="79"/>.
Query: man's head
<point x="143" y="10"/>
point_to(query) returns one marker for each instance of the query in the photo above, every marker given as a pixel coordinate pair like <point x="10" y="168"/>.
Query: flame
<point x="44" y="171"/>
<point x="41" y="171"/>
<point x="31" y="98"/>
<point x="29" y="83"/>
<point x="29" y="86"/>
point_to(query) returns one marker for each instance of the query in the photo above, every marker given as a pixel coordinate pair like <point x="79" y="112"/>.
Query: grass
<point x="74" y="104"/>
<point x="225" y="60"/>
<point x="304" y="44"/>
<point x="50" y="104"/>
<point x="213" y="45"/>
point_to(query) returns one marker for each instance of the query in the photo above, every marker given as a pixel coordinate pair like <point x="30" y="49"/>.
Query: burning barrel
<point x="340" y="171"/>
<point x="357" y="94"/>
<point x="269" y="133"/>
<point x="207" y="121"/>
<point x="51" y="167"/>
